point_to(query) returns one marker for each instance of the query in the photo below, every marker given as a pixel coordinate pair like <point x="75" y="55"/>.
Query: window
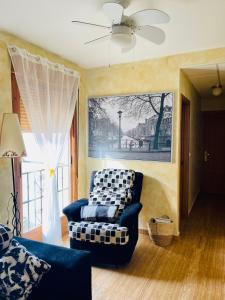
<point x="33" y="180"/>
<point x="30" y="177"/>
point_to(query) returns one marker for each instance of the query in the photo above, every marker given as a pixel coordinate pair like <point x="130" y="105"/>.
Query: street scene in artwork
<point x="135" y="127"/>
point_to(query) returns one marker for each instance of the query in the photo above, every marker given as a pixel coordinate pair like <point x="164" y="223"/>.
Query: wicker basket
<point x="161" y="233"/>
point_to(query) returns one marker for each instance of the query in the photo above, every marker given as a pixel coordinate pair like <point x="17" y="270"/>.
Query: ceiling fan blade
<point x="90" y="24"/>
<point x="149" y="17"/>
<point x="114" y="11"/>
<point x="153" y="34"/>
<point x="100" y="39"/>
<point x="132" y="45"/>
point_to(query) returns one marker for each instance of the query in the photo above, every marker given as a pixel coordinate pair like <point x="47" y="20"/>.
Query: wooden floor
<point x="193" y="267"/>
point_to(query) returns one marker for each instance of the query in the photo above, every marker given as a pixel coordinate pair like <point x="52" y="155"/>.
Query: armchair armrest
<point x="72" y="211"/>
<point x="129" y="214"/>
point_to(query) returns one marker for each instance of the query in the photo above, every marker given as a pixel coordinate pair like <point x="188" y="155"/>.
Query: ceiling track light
<point x="217" y="89"/>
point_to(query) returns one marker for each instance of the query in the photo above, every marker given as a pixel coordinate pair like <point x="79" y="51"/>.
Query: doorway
<point x="213" y="169"/>
<point x="202" y="165"/>
<point x="184" y="161"/>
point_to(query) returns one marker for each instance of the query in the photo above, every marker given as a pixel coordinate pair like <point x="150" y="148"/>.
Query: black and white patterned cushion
<point x="111" y="187"/>
<point x="99" y="213"/>
<point x="98" y="232"/>
<point x="104" y="196"/>
<point x="20" y="271"/>
<point x="114" y="178"/>
<point x="6" y="236"/>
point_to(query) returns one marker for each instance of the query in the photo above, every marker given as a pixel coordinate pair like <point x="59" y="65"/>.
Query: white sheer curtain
<point x="49" y="93"/>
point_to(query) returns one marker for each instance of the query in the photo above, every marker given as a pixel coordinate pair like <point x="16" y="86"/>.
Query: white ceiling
<point x="204" y="77"/>
<point x="195" y="25"/>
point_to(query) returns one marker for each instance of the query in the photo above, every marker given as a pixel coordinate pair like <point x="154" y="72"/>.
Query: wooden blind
<point x="24" y="122"/>
<point x="18" y="106"/>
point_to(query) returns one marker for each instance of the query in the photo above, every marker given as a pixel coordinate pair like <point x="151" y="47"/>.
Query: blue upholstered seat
<point x="109" y="186"/>
<point x="70" y="274"/>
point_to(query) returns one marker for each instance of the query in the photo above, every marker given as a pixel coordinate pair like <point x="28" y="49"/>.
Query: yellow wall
<point x="5" y="106"/>
<point x="159" y="195"/>
<point x="213" y="103"/>
<point x="161" y="180"/>
<point x="188" y="90"/>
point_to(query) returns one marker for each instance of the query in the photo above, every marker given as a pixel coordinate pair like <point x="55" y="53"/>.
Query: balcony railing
<point x="33" y="189"/>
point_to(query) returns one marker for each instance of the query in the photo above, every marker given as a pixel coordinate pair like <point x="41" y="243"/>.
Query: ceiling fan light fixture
<point x="124" y="29"/>
<point x="217" y="90"/>
<point x="122" y="36"/>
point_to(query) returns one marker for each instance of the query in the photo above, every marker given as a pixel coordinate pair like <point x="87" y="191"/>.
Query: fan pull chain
<point x="133" y="58"/>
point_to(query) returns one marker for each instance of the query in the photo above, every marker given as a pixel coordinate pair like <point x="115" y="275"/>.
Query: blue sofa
<point x="102" y="254"/>
<point x="69" y="277"/>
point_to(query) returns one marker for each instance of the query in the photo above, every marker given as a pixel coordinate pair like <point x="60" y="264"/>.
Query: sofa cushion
<point x="100" y="213"/>
<point x="20" y="271"/>
<point x="98" y="232"/>
<point x="105" y="196"/>
<point x="114" y="178"/>
<point x="6" y="236"/>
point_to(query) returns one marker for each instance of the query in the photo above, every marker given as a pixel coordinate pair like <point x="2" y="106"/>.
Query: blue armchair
<point x="126" y="225"/>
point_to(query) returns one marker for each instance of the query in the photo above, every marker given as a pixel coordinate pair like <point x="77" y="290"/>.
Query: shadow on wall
<point x="155" y="201"/>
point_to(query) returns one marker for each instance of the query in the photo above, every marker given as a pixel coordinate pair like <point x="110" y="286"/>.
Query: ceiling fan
<point x="124" y="28"/>
<point x="217" y="89"/>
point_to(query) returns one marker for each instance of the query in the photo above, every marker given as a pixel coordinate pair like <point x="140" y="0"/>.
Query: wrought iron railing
<point x="33" y="189"/>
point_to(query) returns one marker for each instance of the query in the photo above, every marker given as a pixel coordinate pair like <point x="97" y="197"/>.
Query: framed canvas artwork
<point x="134" y="127"/>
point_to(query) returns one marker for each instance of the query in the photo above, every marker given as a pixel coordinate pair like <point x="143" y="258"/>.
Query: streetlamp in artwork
<point x="120" y="135"/>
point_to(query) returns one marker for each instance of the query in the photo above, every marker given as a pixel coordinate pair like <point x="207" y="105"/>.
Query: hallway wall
<point x="213" y="103"/>
<point x="195" y="155"/>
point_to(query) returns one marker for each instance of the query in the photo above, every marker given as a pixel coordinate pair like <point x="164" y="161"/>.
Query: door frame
<point x="184" y="156"/>
<point x="36" y="233"/>
<point x="213" y="113"/>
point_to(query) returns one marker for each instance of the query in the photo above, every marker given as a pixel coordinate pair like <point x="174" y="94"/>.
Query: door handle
<point x="206" y="156"/>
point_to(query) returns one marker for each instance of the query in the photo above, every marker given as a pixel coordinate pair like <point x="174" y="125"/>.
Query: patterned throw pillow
<point x="6" y="236"/>
<point x="20" y="271"/>
<point x="100" y="213"/>
<point x="104" y="196"/>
